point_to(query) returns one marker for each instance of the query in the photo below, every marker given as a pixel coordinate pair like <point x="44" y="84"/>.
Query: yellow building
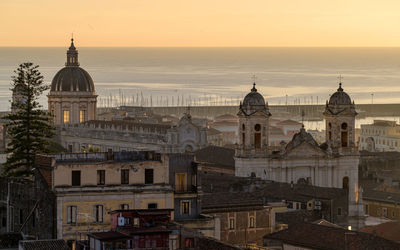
<point x="90" y="185"/>
<point x="382" y="204"/>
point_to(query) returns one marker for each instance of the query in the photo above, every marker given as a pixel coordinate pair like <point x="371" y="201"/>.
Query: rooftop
<point x="327" y="237"/>
<point x="43" y="244"/>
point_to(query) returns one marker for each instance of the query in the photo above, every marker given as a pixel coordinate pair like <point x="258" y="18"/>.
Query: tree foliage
<point x="28" y="127"/>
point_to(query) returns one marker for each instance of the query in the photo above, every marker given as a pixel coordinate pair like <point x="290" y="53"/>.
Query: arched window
<point x="344" y="125"/>
<point x="346" y="183"/>
<point x="243" y="127"/>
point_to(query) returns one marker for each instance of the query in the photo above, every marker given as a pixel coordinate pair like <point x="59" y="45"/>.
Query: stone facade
<point x="125" y="135"/>
<point x="302" y="160"/>
<point x="88" y="186"/>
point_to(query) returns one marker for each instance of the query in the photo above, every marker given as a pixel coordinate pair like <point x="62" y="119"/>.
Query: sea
<point x="217" y="76"/>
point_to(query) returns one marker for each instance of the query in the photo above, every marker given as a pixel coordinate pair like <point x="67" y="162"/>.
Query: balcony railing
<point x="185" y="189"/>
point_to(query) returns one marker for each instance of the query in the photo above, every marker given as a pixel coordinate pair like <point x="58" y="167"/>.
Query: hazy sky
<point x="200" y="22"/>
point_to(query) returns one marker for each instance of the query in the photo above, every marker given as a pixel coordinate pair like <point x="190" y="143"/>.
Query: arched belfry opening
<point x="257" y="136"/>
<point x="344" y="136"/>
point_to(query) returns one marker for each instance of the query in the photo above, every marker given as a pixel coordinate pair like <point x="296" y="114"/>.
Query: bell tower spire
<point x="72" y="55"/>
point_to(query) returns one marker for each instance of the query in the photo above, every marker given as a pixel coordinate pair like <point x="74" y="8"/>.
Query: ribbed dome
<point x="340" y="97"/>
<point x="72" y="79"/>
<point x="254" y="98"/>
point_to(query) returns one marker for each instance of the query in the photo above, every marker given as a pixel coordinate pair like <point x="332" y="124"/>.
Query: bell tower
<point x="253" y="125"/>
<point x="340" y="115"/>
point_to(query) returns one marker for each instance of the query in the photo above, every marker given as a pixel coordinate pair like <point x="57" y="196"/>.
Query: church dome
<point x="254" y="98"/>
<point x="72" y="78"/>
<point x="340" y="97"/>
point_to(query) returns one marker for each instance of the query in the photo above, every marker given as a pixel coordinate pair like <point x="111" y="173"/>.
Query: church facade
<point x="302" y="160"/>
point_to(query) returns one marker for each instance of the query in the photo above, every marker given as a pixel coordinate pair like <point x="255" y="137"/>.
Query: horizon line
<point x="300" y="47"/>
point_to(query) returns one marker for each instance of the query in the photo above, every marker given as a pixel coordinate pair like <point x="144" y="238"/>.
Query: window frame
<point x="101" y="177"/>
<point x="148" y="174"/>
<point x="231" y="223"/>
<point x="72" y="214"/>
<point x="72" y="178"/>
<point x="185" y="207"/>
<point x="124" y="176"/>
<point x="98" y="215"/>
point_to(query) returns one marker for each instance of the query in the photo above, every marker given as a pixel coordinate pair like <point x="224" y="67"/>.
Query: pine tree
<point x="28" y="126"/>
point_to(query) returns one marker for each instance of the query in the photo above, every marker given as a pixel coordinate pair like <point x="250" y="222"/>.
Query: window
<point x="66" y="116"/>
<point x="101" y="177"/>
<point x="76" y="178"/>
<point x="125" y="176"/>
<point x="344" y="125"/>
<point x="189" y="243"/>
<point x="251" y="222"/>
<point x="366" y="209"/>
<point x="82" y="116"/>
<point x="136" y="222"/>
<point x="385" y="212"/>
<point x="257" y="140"/>
<point x="152" y="206"/>
<point x="185" y="207"/>
<point x="70" y="148"/>
<point x="148" y="176"/>
<point x="231" y="223"/>
<point x="339" y="211"/>
<point x="393" y="214"/>
<point x="71" y="214"/>
<point x="378" y="211"/>
<point x="98" y="213"/>
<point x="124" y="206"/>
<point x="243" y="127"/>
<point x="257" y="127"/>
<point x="180" y="182"/>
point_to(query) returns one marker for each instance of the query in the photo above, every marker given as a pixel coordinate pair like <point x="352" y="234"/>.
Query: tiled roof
<point x="43" y="244"/>
<point x="326" y="237"/>
<point x="376" y="195"/>
<point x="389" y="230"/>
<point x="216" y="155"/>
<point x="219" y="189"/>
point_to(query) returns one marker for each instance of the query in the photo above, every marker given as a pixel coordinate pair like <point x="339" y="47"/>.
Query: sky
<point x="208" y="23"/>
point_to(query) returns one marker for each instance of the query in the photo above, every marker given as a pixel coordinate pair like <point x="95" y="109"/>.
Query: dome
<point x="72" y="79"/>
<point x="254" y="98"/>
<point x="340" y="97"/>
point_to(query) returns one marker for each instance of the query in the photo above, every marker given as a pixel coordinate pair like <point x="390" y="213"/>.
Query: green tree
<point x="28" y="127"/>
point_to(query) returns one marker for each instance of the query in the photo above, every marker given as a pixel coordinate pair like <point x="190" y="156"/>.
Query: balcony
<point x="180" y="189"/>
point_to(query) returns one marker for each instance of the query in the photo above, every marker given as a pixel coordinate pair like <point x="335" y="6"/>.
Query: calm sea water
<point x="201" y="76"/>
